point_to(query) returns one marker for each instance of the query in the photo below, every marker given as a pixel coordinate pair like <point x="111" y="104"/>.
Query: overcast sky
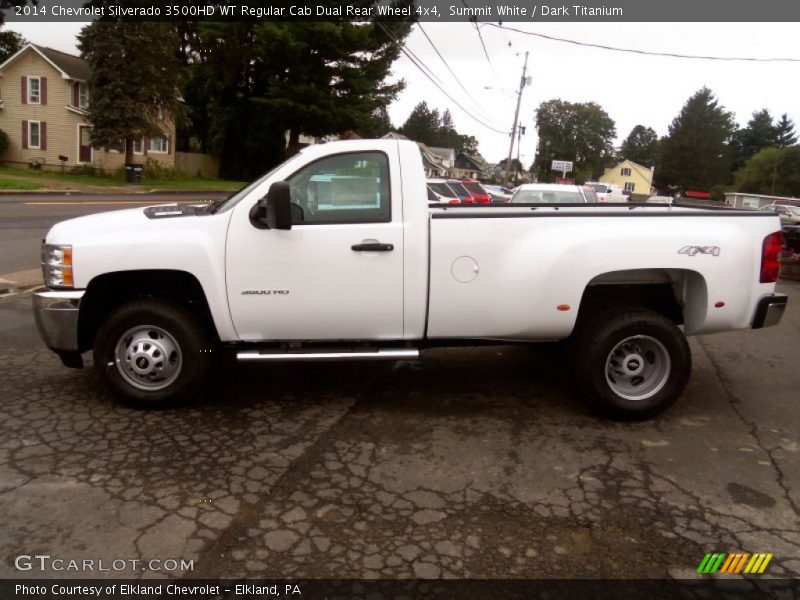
<point x="633" y="89"/>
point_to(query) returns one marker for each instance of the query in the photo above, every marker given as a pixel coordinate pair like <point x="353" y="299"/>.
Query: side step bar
<point x="303" y="356"/>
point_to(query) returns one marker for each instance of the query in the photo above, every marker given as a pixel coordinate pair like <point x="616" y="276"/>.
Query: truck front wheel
<point x="151" y="352"/>
<point x="632" y="363"/>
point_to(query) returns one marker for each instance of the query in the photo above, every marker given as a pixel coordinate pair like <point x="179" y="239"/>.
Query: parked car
<point x="476" y="188"/>
<point x="790" y="215"/>
<point x="608" y="192"/>
<point x="463" y="193"/>
<point x="162" y="294"/>
<point x="660" y="200"/>
<point x="448" y="197"/>
<point x="497" y="194"/>
<point x="444" y="191"/>
<point x="553" y="193"/>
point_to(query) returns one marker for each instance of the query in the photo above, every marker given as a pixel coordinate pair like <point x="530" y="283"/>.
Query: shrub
<point x="3" y="141"/>
<point x="155" y="170"/>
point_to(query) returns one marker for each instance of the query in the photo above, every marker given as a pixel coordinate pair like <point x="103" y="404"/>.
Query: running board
<point x="304" y="356"/>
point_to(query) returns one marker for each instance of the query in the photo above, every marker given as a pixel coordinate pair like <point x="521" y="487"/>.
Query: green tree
<point x="423" y="125"/>
<point x="696" y="153"/>
<point x="322" y="77"/>
<point x="785" y="135"/>
<point x="10" y="43"/>
<point x="134" y="81"/>
<point x="641" y="146"/>
<point x="376" y="124"/>
<point x="579" y="132"/>
<point x="774" y="171"/>
<point x="759" y="133"/>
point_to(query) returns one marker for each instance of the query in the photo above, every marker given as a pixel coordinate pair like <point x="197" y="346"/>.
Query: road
<point x="25" y="218"/>
<point x="473" y="463"/>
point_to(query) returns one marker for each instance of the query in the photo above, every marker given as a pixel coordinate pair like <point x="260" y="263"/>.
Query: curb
<point x="111" y="191"/>
<point x="5" y="292"/>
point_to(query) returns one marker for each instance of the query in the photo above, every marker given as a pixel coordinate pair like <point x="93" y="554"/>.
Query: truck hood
<point x="105" y="223"/>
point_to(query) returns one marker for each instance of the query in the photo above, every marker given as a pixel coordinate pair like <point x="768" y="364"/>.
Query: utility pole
<point x="522" y="83"/>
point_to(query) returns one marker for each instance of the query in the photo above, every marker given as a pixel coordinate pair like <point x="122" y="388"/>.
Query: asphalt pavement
<point x="472" y="463"/>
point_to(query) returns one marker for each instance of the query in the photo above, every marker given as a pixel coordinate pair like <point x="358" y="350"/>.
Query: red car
<point x="479" y="194"/>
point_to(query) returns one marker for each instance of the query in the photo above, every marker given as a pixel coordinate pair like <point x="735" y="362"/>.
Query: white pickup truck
<point x="337" y="255"/>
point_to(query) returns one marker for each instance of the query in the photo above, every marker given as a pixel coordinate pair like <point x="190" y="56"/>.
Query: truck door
<point x="338" y="273"/>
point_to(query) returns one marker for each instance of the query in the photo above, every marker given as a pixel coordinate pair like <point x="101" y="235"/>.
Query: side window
<point x="345" y="188"/>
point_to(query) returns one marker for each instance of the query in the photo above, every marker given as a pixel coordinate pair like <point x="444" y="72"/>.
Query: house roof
<point x="476" y="162"/>
<point x="69" y="65"/>
<point x="644" y="172"/>
<point x="393" y="135"/>
<point x="443" y="152"/>
<point x="74" y="66"/>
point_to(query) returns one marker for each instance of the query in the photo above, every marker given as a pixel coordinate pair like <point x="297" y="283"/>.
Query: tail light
<point x="770" y="251"/>
<point x="482" y="199"/>
<point x="468" y="200"/>
<point x="455" y="201"/>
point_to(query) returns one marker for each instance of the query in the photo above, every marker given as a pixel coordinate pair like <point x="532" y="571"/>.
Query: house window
<point x="137" y="146"/>
<point x="34" y="90"/>
<point x="158" y="144"/>
<point x="83" y="95"/>
<point x="34" y="134"/>
<point x="629" y="185"/>
<point x="625" y="172"/>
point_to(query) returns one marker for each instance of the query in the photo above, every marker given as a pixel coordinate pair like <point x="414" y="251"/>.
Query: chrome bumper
<point x="769" y="310"/>
<point x="56" y="314"/>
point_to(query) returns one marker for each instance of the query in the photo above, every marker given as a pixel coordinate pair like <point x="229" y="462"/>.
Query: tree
<point x="423" y="125"/>
<point x="10" y="43"/>
<point x="641" y="146"/>
<point x="696" y="153"/>
<point x="322" y="77"/>
<point x="759" y="133"/>
<point x="376" y="124"/>
<point x="579" y="132"/>
<point x="134" y="80"/>
<point x="774" y="171"/>
<point x="785" y="135"/>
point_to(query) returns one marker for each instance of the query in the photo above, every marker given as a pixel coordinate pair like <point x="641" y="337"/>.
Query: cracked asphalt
<point x="473" y="463"/>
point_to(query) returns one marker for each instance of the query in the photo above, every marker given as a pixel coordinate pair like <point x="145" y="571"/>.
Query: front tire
<point x="631" y="362"/>
<point x="152" y="352"/>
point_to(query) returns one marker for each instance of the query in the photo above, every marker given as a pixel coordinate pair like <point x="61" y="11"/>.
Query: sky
<point x="633" y="89"/>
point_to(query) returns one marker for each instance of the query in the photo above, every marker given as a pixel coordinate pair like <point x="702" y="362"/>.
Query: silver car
<point x="790" y="215"/>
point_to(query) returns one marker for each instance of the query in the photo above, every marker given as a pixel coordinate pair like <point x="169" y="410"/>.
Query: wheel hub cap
<point x="148" y="357"/>
<point x="638" y="367"/>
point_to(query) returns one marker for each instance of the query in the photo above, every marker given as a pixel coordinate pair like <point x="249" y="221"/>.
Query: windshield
<point x="442" y="190"/>
<point x="459" y="189"/>
<point x="474" y="188"/>
<point x="546" y="197"/>
<point x="599" y="187"/>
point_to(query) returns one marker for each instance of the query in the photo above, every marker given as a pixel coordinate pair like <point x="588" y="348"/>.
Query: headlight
<point x="57" y="265"/>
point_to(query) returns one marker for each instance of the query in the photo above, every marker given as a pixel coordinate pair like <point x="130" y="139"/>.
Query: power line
<point x="424" y="69"/>
<point x="458" y="81"/>
<point x="485" y="53"/>
<point x="643" y="52"/>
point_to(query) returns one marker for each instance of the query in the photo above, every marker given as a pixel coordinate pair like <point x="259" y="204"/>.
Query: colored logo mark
<point x="737" y="562"/>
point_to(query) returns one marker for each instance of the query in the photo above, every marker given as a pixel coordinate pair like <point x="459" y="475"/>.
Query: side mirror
<point x="274" y="211"/>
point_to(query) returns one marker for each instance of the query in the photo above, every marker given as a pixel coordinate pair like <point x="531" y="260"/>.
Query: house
<point x="447" y="156"/>
<point x="469" y="167"/>
<point x="746" y="200"/>
<point x="631" y="177"/>
<point x="432" y="162"/>
<point x="43" y="101"/>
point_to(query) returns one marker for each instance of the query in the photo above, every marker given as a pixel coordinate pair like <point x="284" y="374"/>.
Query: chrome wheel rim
<point x="638" y="367"/>
<point x="148" y="357"/>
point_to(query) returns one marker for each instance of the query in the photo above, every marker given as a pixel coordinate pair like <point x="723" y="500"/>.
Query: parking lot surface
<point x="473" y="463"/>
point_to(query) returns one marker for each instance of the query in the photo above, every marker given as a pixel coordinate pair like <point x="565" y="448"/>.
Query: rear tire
<point x="630" y="362"/>
<point x="152" y="353"/>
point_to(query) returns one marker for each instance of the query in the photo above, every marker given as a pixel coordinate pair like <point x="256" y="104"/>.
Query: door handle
<point x="372" y="247"/>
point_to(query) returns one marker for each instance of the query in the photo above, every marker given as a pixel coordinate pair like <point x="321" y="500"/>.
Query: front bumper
<point x="769" y="310"/>
<point x="56" y="314"/>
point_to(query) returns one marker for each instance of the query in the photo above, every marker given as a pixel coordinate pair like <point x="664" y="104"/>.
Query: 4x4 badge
<point x="692" y="250"/>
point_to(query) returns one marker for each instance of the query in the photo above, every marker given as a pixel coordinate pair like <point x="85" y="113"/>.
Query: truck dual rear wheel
<point x="630" y="362"/>
<point x="152" y="352"/>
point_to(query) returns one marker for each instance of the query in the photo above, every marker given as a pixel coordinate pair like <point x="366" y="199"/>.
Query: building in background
<point x="43" y="100"/>
<point x="631" y="177"/>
